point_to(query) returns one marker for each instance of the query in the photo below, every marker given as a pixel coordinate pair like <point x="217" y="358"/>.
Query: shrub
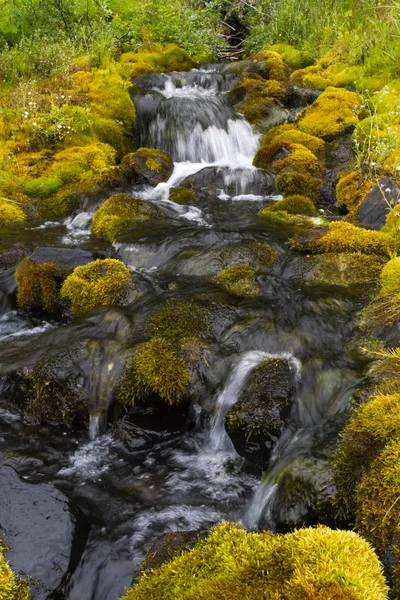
<point x="10" y="213"/>
<point x="118" y="213"/>
<point x="293" y="205"/>
<point x="157" y="369"/>
<point x="309" y="564"/>
<point x="100" y="283"/>
<point x="11" y="588"/>
<point x="239" y="280"/>
<point x="178" y="319"/>
<point x="38" y="285"/>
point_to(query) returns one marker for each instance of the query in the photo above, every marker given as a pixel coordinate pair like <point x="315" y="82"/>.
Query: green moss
<point x="178" y="319"/>
<point x="351" y="190"/>
<point x="175" y="59"/>
<point x="390" y="276"/>
<point x="11" y="587"/>
<point x="38" y="285"/>
<point x="155" y="369"/>
<point x="293" y="184"/>
<point x="300" y="160"/>
<point x="275" y="66"/>
<point x="344" y="237"/>
<point x="347" y="269"/>
<point x="239" y="280"/>
<point x="10" y="213"/>
<point x="314" y="564"/>
<point x="289" y="134"/>
<point x="118" y="213"/>
<point x="71" y="164"/>
<point x="332" y="114"/>
<point x="182" y="195"/>
<point x="384" y="310"/>
<point x="159" y="162"/>
<point x="254" y="97"/>
<point x="293" y="205"/>
<point x="295" y="59"/>
<point x="100" y="283"/>
<point x="43" y="186"/>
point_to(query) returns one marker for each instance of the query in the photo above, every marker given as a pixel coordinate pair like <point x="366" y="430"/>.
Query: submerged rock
<point x="37" y="525"/>
<point x="373" y="211"/>
<point x="254" y="423"/>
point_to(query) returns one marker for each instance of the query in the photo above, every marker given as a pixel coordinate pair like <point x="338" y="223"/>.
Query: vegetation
<point x="118" y="213"/>
<point x="293" y="205"/>
<point x="100" y="283"/>
<point x="11" y="587"/>
<point x="309" y="563"/>
<point x="178" y="319"/>
<point x="38" y="285"/>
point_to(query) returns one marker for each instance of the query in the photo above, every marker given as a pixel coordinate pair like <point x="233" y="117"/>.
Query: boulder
<point x="66" y="259"/>
<point x="255" y="422"/>
<point x="37" y="525"/>
<point x="211" y="181"/>
<point x="147" y="166"/>
<point x="339" y="154"/>
<point x="373" y="211"/>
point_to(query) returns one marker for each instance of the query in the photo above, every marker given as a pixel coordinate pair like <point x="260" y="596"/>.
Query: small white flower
<point x="373" y="164"/>
<point x="59" y="126"/>
<point x="34" y="123"/>
<point x="388" y="190"/>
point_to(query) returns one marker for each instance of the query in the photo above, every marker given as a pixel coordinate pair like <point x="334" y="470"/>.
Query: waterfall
<point x="97" y="426"/>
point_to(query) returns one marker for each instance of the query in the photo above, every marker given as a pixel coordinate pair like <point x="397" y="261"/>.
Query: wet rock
<point x="211" y="181"/>
<point x="274" y="116"/>
<point x="147" y="166"/>
<point x="66" y="259"/>
<point x="301" y="97"/>
<point x="169" y="544"/>
<point x="132" y="436"/>
<point x="37" y="525"/>
<point x="373" y="211"/>
<point x="305" y="494"/>
<point x="254" y="423"/>
<point x="338" y="156"/>
<point x="12" y="257"/>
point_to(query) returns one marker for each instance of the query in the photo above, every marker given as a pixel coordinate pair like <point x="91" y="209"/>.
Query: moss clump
<point x="293" y="205"/>
<point x="311" y="564"/>
<point x="153" y="165"/>
<point x="169" y="58"/>
<point x="287" y="134"/>
<point x="275" y="66"/>
<point x="11" y="213"/>
<point x="100" y="283"/>
<point x="332" y="114"/>
<point x="43" y="186"/>
<point x="38" y="285"/>
<point x="351" y="191"/>
<point x="291" y="183"/>
<point x="346" y="269"/>
<point x="11" y="587"/>
<point x="384" y="311"/>
<point x="178" y="319"/>
<point x="300" y="160"/>
<point x="255" y="97"/>
<point x="344" y="237"/>
<point x="239" y="280"/>
<point x="155" y="369"/>
<point x="295" y="59"/>
<point x="182" y="195"/>
<point x="118" y="213"/>
<point x="71" y="164"/>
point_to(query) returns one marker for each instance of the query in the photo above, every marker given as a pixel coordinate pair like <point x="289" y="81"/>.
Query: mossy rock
<point x="255" y="422"/>
<point x="11" y="213"/>
<point x="383" y="312"/>
<point x="182" y="195"/>
<point x="279" y="140"/>
<point x="178" y="319"/>
<point x="120" y="213"/>
<point x="307" y="564"/>
<point x="42" y="187"/>
<point x="11" y="587"/>
<point x="295" y="59"/>
<point x="155" y="369"/>
<point x="240" y="281"/>
<point x="351" y="190"/>
<point x="276" y="68"/>
<point x="292" y="183"/>
<point x="147" y="166"/>
<point x="293" y="205"/>
<point x="99" y="283"/>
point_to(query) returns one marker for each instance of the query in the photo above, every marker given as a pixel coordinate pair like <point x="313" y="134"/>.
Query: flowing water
<point x="188" y="476"/>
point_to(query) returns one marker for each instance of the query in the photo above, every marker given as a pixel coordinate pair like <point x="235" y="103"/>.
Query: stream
<point x="191" y="477"/>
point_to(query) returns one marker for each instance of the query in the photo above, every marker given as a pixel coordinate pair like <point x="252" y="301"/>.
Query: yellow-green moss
<point x="344" y="237"/>
<point x="43" y="186"/>
<point x="347" y="269"/>
<point x="309" y="564"/>
<point x="11" y="587"/>
<point x="331" y="115"/>
<point x="157" y="161"/>
<point x="275" y="65"/>
<point x="390" y="276"/>
<point x="10" y="213"/>
<point x="71" y="164"/>
<point x="289" y="134"/>
<point x="100" y="283"/>
<point x="178" y="319"/>
<point x="38" y="285"/>
<point x="295" y="59"/>
<point x="169" y="58"/>
<point x="239" y="280"/>
<point x="118" y="213"/>
<point x="300" y="160"/>
<point x="293" y="205"/>
<point x="155" y="369"/>
<point x="255" y="96"/>
<point x="351" y="190"/>
<point x="384" y="310"/>
<point x="293" y="184"/>
<point x="182" y="195"/>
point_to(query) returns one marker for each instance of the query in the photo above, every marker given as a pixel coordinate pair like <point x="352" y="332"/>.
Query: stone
<point x="66" y="259"/>
<point x="373" y="211"/>
<point x="338" y="156"/>
<point x="167" y="545"/>
<point x="37" y="525"/>
<point x="147" y="166"/>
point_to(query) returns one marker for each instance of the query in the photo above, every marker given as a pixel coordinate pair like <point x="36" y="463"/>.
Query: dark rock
<point x="147" y="165"/>
<point x="373" y="210"/>
<point x="39" y="528"/>
<point x="254" y="423"/>
<point x="12" y="257"/>
<point x="338" y="156"/>
<point x="167" y="545"/>
<point x="132" y="436"/>
<point x="211" y="181"/>
<point x="66" y="259"/>
<point x="301" y="97"/>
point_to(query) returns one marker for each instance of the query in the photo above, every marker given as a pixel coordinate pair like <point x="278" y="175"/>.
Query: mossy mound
<point x="353" y="270"/>
<point x="38" y="285"/>
<point x="383" y="312"/>
<point x="290" y="183"/>
<point x="351" y="190"/>
<point x="155" y="369"/>
<point x="10" y="213"/>
<point x="178" y="319"/>
<point x="11" y="587"/>
<point x="275" y="65"/>
<point x="295" y="59"/>
<point x="293" y="205"/>
<point x="42" y="187"/>
<point x="119" y="213"/>
<point x="257" y="98"/>
<point x="167" y="59"/>
<point x="309" y="564"/>
<point x="254" y="423"/>
<point x="147" y="166"/>
<point x="288" y="134"/>
<point x="71" y="164"/>
<point x="240" y="281"/>
<point x="99" y="283"/>
<point x="344" y="237"/>
<point x="181" y="195"/>
<point x="332" y="114"/>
